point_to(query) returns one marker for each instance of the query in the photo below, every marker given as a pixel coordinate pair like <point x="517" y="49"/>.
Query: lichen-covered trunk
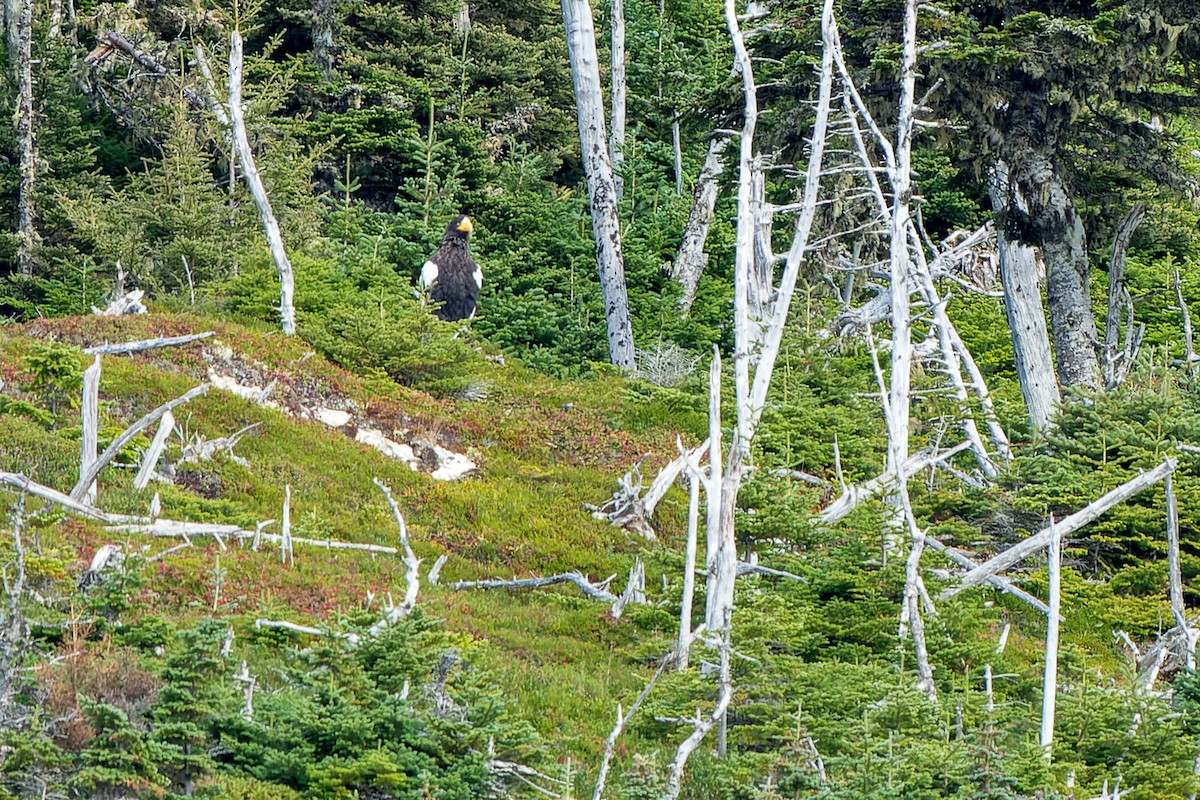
<point x="322" y="37"/>
<point x="602" y="192"/>
<point x="26" y="145"/>
<point x="1026" y="316"/>
<point x="1052" y="214"/>
<point x="691" y="259"/>
<point x="241" y="143"/>
<point x="616" y="146"/>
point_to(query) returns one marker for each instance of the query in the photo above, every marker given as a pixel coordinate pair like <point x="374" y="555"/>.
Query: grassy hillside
<point x="822" y="672"/>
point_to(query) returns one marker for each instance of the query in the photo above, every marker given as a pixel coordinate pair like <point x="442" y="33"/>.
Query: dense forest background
<point x="375" y="123"/>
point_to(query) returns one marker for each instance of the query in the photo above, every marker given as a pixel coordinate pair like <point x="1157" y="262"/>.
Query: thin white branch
<point x="144" y="344"/>
<point x="1022" y="550"/>
<point x="89" y="476"/>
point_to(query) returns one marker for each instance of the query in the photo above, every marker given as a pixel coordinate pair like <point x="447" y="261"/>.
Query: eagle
<point x="450" y="276"/>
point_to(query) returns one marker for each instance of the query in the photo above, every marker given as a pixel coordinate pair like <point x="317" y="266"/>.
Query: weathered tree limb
<point x="596" y="591"/>
<point x="67" y="502"/>
<point x="89" y="477"/>
<point x="150" y="457"/>
<point x="1175" y="578"/>
<point x="997" y="581"/>
<point x="702" y="725"/>
<point x="635" y="589"/>
<point x="186" y="530"/>
<point x="691" y="258"/>
<point x="351" y="638"/>
<point x="412" y="575"/>
<point x="695" y="479"/>
<point x="110" y="41"/>
<point x="1189" y="350"/>
<point x="89" y="424"/>
<point x="1117" y="363"/>
<point x="628" y="509"/>
<point x="1068" y="525"/>
<point x="1050" y="673"/>
<point x="241" y="143"/>
<point x="144" y="344"/>
<point x="856" y="494"/>
<point x="610" y="744"/>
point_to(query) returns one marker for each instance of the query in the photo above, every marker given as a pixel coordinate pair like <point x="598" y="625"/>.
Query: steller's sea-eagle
<point x="450" y="276"/>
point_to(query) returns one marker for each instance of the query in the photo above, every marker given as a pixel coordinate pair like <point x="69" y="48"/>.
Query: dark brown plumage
<point x="451" y="277"/>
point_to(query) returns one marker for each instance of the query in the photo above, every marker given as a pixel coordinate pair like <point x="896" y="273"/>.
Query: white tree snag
<point x="702" y="725"/>
<point x="616" y="144"/>
<point x="602" y="191"/>
<point x="677" y="146"/>
<point x="1189" y="350"/>
<point x="285" y="528"/>
<point x="1065" y="527"/>
<point x="998" y="582"/>
<point x="1026" y="316"/>
<point x="610" y="744"/>
<point x="628" y="509"/>
<point x="691" y="259"/>
<point x="27" y="237"/>
<point x="89" y="477"/>
<point x="412" y="573"/>
<point x="596" y="591"/>
<point x="241" y="143"/>
<point x="635" y="589"/>
<point x="185" y="530"/>
<point x="1118" y="361"/>
<point x="695" y="478"/>
<point x="1174" y="574"/>
<point x="90" y="424"/>
<point x="713" y="487"/>
<point x="141" y="345"/>
<point x="854" y="495"/>
<point x="1050" y="674"/>
<point x="23" y="484"/>
<point x="752" y="395"/>
<point x="151" y="456"/>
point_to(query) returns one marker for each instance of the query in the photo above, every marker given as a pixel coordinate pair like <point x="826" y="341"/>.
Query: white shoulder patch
<point x="429" y="274"/>
<point x="478" y="276"/>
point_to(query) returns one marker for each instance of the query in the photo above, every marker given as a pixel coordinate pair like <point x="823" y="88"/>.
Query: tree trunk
<point x="602" y="192"/>
<point x="241" y="143"/>
<point x="616" y="145"/>
<point x="26" y="146"/>
<point x="691" y="259"/>
<point x="1026" y="317"/>
<point x="1052" y="215"/>
<point x="322" y="37"/>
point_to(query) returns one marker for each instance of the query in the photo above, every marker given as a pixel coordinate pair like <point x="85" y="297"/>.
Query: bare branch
<point x="89" y="477"/>
<point x="595" y="591"/>
<point x="142" y="345"/>
<point x="1022" y="550"/>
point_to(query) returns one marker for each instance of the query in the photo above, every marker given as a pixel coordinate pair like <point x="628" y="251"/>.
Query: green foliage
<point x="54" y="375"/>
<point x="409" y="345"/>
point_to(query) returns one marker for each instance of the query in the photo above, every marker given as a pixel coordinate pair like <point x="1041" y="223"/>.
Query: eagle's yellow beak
<point x="466" y="225"/>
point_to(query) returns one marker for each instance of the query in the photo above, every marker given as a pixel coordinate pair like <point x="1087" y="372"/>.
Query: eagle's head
<point x="459" y="229"/>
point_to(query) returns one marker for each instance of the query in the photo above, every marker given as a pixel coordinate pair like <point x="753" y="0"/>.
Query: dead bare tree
<point x="691" y="258"/>
<point x="1118" y="359"/>
<point x="1026" y="316"/>
<point x="241" y="143"/>
<point x="602" y="190"/>
<point x="617" y="90"/>
<point x="21" y="34"/>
